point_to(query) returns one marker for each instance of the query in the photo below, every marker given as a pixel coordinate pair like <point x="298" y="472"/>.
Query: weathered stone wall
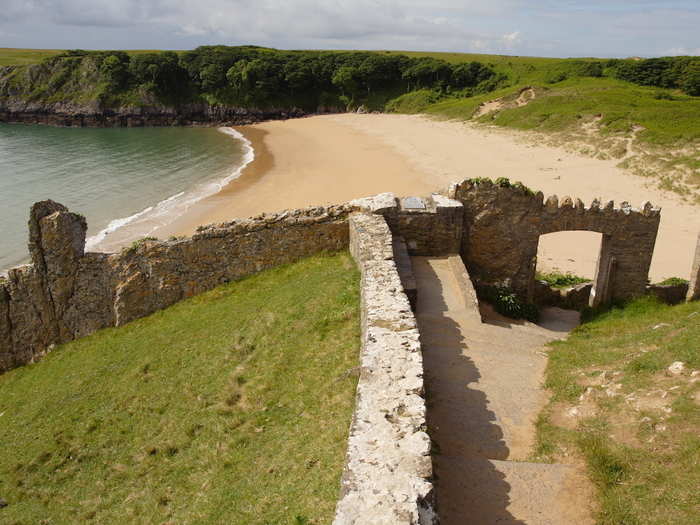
<point x="65" y="294"/>
<point x="669" y="293"/>
<point x="388" y="470"/>
<point x="429" y="225"/>
<point x="502" y="226"/>
<point x="694" y="288"/>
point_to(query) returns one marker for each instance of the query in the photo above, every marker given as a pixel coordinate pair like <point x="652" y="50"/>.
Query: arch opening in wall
<point x="566" y="268"/>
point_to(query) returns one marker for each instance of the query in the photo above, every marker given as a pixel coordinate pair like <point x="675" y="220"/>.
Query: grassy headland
<point x="619" y="404"/>
<point x="230" y="407"/>
<point x="643" y="113"/>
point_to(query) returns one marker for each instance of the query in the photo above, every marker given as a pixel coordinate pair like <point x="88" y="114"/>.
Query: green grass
<point x="564" y="106"/>
<point x="673" y="281"/>
<point x="230" y="407"/>
<point x="622" y="106"/>
<point x="18" y="57"/>
<point x="560" y="280"/>
<point x="641" y="446"/>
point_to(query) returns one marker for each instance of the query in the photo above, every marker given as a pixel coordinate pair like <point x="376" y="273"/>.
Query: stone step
<point x="484" y="492"/>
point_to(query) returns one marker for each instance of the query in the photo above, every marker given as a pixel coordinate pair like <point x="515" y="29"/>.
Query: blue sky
<point x="518" y="27"/>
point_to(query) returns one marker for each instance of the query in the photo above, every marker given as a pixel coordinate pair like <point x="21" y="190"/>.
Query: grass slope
<point x="637" y="426"/>
<point x="230" y="407"/>
<point x="19" y="57"/>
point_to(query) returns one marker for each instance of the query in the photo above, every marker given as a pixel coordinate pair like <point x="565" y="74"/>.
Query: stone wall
<point x="387" y="476"/>
<point x="502" y="226"/>
<point x="66" y="293"/>
<point x="429" y="225"/>
<point x="669" y="293"/>
<point x="694" y="288"/>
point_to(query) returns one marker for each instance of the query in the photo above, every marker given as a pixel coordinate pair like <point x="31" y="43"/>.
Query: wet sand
<point x="335" y="158"/>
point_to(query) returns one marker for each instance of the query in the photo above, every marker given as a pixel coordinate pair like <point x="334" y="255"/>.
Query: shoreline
<point x="207" y="208"/>
<point x="293" y="160"/>
<point x="331" y="159"/>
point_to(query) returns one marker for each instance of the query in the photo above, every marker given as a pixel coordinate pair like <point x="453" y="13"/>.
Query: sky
<point x="557" y="28"/>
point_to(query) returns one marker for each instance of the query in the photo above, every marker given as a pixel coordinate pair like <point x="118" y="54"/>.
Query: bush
<point x="561" y="280"/>
<point x="667" y="72"/>
<point x="673" y="281"/>
<point x="506" y="302"/>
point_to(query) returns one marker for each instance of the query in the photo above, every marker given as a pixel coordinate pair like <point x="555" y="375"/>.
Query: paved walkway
<point x="484" y="393"/>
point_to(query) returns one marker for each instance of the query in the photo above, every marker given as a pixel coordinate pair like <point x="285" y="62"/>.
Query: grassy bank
<point x="20" y="57"/>
<point x="616" y="405"/>
<point x="230" y="407"/>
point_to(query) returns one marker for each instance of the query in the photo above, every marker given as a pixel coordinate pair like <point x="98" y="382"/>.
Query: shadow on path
<point x="464" y="431"/>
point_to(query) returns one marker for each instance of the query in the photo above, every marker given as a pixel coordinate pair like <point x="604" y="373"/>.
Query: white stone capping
<point x="387" y="477"/>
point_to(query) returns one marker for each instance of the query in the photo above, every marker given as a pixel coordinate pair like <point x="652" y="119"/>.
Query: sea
<point x="126" y="180"/>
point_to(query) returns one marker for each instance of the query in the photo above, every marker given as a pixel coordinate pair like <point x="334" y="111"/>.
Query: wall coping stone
<point x="387" y="478"/>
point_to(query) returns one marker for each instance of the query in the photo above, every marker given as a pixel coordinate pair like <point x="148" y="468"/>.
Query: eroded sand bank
<point x="332" y="159"/>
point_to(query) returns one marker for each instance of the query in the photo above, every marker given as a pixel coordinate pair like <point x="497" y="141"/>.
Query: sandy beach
<point x="335" y="158"/>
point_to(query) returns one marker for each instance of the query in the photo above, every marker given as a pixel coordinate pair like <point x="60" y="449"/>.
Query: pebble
<point x="676" y="368"/>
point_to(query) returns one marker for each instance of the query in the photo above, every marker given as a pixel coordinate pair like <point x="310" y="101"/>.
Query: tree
<point x="690" y="82"/>
<point x="346" y="79"/>
<point x="161" y="74"/>
<point x="427" y="72"/>
<point x="115" y="70"/>
<point x="255" y="81"/>
<point x="469" y="74"/>
<point x="212" y="77"/>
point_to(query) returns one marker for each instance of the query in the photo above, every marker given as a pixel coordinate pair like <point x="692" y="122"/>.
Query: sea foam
<point x="148" y="220"/>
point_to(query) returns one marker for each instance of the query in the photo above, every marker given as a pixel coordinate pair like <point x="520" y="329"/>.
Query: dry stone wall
<point x="66" y="294"/>
<point x="387" y="478"/>
<point x="502" y="226"/>
<point x="694" y="288"/>
<point x="428" y="225"/>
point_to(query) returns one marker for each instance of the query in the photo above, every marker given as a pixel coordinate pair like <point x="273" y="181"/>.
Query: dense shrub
<point x="667" y="72"/>
<point x="261" y="77"/>
<point x="573" y="68"/>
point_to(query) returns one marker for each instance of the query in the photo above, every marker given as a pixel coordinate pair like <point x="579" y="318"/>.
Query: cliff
<point x="219" y="84"/>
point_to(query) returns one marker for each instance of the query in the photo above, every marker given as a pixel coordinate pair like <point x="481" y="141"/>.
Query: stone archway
<point x="574" y="253"/>
<point x="503" y="223"/>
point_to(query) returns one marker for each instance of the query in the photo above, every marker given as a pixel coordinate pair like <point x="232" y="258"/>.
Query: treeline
<point x="260" y="77"/>
<point x="668" y="72"/>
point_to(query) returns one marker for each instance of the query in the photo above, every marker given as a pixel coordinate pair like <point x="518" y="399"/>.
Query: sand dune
<point x="335" y="158"/>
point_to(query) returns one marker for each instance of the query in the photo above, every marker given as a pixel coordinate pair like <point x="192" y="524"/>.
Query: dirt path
<point x="484" y="391"/>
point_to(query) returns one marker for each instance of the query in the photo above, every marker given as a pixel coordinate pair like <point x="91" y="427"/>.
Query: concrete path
<point x="484" y="392"/>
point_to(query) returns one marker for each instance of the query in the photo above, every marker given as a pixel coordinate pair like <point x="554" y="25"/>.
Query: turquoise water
<point x="135" y="178"/>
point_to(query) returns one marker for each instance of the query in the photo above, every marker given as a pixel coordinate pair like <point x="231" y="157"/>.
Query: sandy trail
<point x="335" y="158"/>
<point x="484" y="393"/>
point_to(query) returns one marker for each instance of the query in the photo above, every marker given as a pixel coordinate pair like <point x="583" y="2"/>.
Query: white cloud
<point x="562" y="27"/>
<point x="684" y="51"/>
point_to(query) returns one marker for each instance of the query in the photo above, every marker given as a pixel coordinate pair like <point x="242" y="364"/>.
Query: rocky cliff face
<point x="26" y="96"/>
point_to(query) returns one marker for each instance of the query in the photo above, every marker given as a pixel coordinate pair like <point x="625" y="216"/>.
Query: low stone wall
<point x="387" y="475"/>
<point x="571" y="298"/>
<point x="694" y="286"/>
<point x="430" y="225"/>
<point x="669" y="293"/>
<point x="66" y="293"/>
